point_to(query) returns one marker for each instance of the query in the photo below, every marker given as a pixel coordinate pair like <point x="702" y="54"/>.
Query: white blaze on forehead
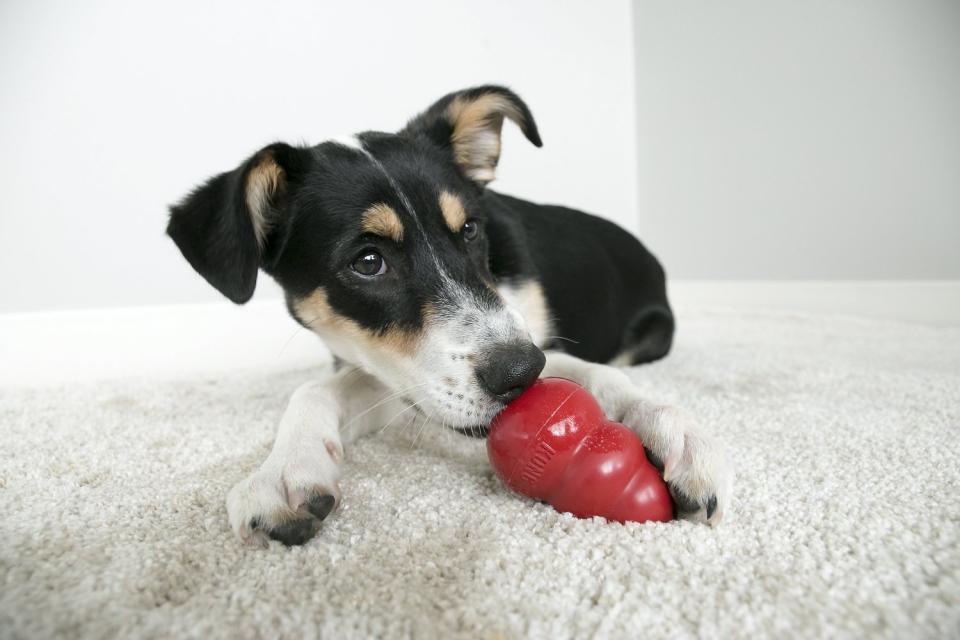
<point x="354" y="142"/>
<point x="350" y="141"/>
<point x="481" y="318"/>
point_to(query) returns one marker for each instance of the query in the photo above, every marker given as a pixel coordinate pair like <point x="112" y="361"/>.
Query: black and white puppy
<point x="441" y="294"/>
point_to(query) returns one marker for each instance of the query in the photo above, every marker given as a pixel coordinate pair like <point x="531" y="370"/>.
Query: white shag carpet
<point x="846" y="435"/>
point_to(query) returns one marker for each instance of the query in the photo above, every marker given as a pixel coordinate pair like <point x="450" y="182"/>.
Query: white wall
<point x="111" y="110"/>
<point x="800" y="139"/>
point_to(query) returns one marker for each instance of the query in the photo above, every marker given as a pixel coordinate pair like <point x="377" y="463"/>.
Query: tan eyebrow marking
<point x="453" y="212"/>
<point x="380" y="219"/>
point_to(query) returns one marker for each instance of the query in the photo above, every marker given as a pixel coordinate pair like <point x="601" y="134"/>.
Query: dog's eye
<point x="471" y="229"/>
<point x="369" y="263"/>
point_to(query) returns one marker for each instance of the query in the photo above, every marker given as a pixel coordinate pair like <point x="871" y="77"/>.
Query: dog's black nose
<point x="507" y="369"/>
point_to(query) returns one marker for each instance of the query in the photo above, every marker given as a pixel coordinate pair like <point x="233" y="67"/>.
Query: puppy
<point x="445" y="298"/>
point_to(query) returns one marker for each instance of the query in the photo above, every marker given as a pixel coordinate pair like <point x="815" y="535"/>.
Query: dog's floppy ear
<point x="469" y="122"/>
<point x="224" y="227"/>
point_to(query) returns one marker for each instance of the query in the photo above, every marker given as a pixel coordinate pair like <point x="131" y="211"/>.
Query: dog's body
<point x="604" y="292"/>
<point x="439" y="293"/>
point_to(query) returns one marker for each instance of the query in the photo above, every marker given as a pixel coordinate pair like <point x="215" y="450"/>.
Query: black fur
<point x="606" y="292"/>
<point x="432" y="125"/>
<point x="213" y="227"/>
<point x="600" y="281"/>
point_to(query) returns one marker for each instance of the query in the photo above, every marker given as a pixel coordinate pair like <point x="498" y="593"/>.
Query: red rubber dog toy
<point x="553" y="443"/>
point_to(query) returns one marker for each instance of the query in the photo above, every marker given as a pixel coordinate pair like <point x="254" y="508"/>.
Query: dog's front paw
<point x="695" y="466"/>
<point x="282" y="506"/>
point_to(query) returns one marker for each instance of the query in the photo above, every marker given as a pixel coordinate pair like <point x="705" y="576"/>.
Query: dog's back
<point x="605" y="292"/>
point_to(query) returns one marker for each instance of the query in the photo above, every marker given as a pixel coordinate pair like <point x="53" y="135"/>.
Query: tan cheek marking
<point x="382" y="220"/>
<point x="453" y="212"/>
<point x="263" y="182"/>
<point x="315" y="311"/>
<point x="528" y="298"/>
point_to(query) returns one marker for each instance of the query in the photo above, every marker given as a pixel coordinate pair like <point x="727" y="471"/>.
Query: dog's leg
<point x="694" y="465"/>
<point x="297" y="486"/>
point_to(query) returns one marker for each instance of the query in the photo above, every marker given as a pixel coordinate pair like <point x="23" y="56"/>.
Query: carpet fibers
<point x="845" y="522"/>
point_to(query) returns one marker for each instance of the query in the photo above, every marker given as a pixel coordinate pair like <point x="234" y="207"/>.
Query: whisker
<point x="413" y="419"/>
<point x="310" y="322"/>
<point x="388" y="398"/>
<point x="397" y="415"/>
<point x="422" y="427"/>
<point x="561" y="338"/>
<point x="286" y="344"/>
<point x="295" y="333"/>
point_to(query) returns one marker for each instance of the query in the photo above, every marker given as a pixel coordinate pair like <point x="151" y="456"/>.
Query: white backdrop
<point x="110" y="111"/>
<point x="815" y="139"/>
<point x="771" y="140"/>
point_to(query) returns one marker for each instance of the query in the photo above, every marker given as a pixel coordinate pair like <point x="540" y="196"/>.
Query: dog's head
<point x="380" y="245"/>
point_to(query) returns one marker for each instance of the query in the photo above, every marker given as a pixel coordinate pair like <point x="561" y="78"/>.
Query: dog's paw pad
<point x="711" y="506"/>
<point x="654" y="460"/>
<point x="698" y="510"/>
<point x="683" y="503"/>
<point x="264" y="507"/>
<point x="291" y="529"/>
<point x="695" y="466"/>
<point x="320" y="505"/>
